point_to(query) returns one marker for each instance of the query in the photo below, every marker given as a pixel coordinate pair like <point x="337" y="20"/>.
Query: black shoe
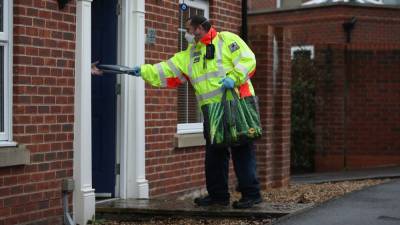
<point x="208" y="201"/>
<point x="245" y="203"/>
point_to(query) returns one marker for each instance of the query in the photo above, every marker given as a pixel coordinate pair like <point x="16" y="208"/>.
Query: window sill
<point x="189" y="140"/>
<point x="7" y="144"/>
<point x="14" y="156"/>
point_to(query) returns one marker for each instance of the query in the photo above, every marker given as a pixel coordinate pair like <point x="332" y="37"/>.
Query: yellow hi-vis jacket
<point x="233" y="58"/>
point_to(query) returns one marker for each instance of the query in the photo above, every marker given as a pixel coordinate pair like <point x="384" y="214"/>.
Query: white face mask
<point x="189" y="37"/>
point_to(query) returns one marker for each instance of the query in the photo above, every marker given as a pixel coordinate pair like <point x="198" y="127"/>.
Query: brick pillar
<point x="272" y="84"/>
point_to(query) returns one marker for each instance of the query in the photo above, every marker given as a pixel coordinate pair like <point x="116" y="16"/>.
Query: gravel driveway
<point x="294" y="194"/>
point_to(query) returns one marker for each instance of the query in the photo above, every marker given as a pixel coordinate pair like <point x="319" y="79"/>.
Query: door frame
<point x="130" y="116"/>
<point x="83" y="195"/>
<point x="131" y="182"/>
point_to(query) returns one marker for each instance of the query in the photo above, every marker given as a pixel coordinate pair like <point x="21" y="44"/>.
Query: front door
<point x="104" y="49"/>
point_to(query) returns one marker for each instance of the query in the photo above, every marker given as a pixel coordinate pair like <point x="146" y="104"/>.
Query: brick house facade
<point x="51" y="110"/>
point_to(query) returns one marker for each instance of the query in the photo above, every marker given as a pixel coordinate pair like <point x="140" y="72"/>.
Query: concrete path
<point x="377" y="205"/>
<point x="374" y="173"/>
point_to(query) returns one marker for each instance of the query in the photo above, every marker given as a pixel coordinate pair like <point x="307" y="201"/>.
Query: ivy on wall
<point x="307" y="78"/>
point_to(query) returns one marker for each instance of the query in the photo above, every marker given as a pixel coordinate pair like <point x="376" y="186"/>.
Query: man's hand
<point x="227" y="83"/>
<point x="135" y="71"/>
<point x="96" y="71"/>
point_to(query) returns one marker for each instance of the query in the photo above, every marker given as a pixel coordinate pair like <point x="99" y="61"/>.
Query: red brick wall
<point x="226" y="15"/>
<point x="372" y="132"/>
<point x="254" y="5"/>
<point x="367" y="133"/>
<point x="170" y="170"/>
<point x="44" y="44"/>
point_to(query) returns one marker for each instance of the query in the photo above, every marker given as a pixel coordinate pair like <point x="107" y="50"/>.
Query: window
<point x="304" y="50"/>
<point x="5" y="71"/>
<point x="189" y="114"/>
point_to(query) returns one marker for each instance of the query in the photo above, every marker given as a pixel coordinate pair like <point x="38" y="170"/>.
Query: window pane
<point x="1" y="15"/>
<point x="188" y="110"/>
<point x="1" y="88"/>
<point x="302" y="54"/>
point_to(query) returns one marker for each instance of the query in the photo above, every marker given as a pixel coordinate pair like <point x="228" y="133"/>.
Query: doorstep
<point x="131" y="209"/>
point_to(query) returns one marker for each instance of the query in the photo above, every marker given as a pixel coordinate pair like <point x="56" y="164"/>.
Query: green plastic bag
<point x="232" y="122"/>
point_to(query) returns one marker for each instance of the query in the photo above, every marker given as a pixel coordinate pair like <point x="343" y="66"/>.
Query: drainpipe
<point x="348" y="28"/>
<point x="244" y="20"/>
<point x="67" y="187"/>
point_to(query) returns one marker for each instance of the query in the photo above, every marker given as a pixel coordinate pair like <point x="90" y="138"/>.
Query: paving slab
<point x="374" y="173"/>
<point x="132" y="208"/>
<point x="376" y="205"/>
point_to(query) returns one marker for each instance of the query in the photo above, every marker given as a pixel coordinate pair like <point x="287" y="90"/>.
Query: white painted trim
<point x="118" y="121"/>
<point x="302" y="48"/>
<point x="83" y="196"/>
<point x="200" y="4"/>
<point x="190" y="128"/>
<point x="10" y="69"/>
<point x="4" y="136"/>
<point x="312" y="2"/>
<point x="106" y="200"/>
<point x="133" y="183"/>
<point x="103" y="195"/>
<point x="6" y="40"/>
<point x="278" y="4"/>
<point x="7" y="8"/>
<point x="8" y="144"/>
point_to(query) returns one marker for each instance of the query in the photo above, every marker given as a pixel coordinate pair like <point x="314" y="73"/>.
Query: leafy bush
<point x="303" y="91"/>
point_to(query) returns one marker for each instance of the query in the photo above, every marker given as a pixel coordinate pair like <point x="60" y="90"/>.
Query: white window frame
<point x="6" y="42"/>
<point x="302" y="48"/>
<point x="189" y="128"/>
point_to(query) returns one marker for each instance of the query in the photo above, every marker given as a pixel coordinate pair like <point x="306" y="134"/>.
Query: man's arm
<point x="243" y="60"/>
<point x="169" y="73"/>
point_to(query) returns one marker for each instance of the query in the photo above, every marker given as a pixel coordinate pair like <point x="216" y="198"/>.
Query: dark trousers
<point x="217" y="168"/>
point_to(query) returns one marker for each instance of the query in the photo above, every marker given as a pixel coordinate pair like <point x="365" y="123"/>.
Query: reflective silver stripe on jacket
<point x="241" y="56"/>
<point x="190" y="69"/>
<point x="242" y="69"/>
<point x="161" y="75"/>
<point x="208" y="75"/>
<point x="209" y="94"/>
<point x="176" y="71"/>
<point x="219" y="55"/>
